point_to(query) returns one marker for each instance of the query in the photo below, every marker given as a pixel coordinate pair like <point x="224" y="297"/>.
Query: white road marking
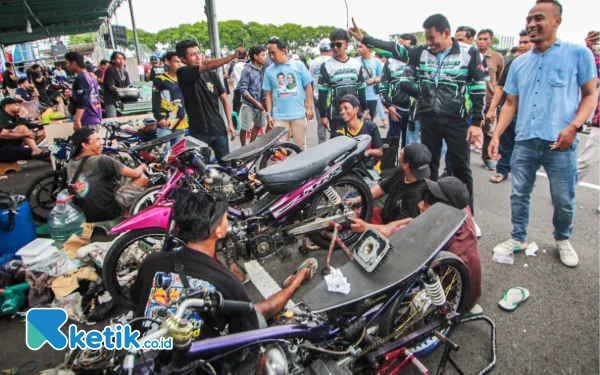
<point x="584" y="184"/>
<point x="263" y="281"/>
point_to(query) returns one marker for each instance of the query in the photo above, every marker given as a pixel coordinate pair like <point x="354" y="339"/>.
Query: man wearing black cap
<point x="86" y="98"/>
<point x="95" y="186"/>
<point x="16" y="132"/>
<point x="349" y="108"/>
<point x="202" y="220"/>
<point x="453" y="192"/>
<point x="156" y="68"/>
<point x="403" y="189"/>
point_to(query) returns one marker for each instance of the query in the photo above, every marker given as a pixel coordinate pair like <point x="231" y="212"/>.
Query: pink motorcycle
<point x="301" y="195"/>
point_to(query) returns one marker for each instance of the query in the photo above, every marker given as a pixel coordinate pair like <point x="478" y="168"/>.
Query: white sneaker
<point x="477" y="229"/>
<point x="567" y="254"/>
<point x="509" y="246"/>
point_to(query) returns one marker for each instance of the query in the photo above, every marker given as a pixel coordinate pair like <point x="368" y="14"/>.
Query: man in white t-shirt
<point x="60" y="74"/>
<point x="314" y="70"/>
<point x="236" y="74"/>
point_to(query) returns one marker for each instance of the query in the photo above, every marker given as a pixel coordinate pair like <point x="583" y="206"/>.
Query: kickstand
<point x="451" y="346"/>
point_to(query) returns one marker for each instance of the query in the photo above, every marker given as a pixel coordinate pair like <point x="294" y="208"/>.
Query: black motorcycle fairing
<point x="257" y="147"/>
<point x="290" y="174"/>
<point x="415" y="246"/>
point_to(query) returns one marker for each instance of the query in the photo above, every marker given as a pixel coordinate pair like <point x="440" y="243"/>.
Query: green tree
<point x="81" y="38"/>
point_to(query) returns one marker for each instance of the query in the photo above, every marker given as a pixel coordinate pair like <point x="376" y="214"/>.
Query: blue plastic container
<point x="23" y="232"/>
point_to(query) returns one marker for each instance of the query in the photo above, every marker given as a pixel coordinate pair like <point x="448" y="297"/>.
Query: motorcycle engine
<point x="248" y="241"/>
<point x="223" y="183"/>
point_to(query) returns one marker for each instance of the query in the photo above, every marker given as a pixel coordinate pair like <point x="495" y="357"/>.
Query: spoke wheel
<point x="414" y="310"/>
<point x="125" y="258"/>
<point x="349" y="186"/>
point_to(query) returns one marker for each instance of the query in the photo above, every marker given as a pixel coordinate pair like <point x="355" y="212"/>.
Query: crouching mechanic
<point x="96" y="177"/>
<point x="403" y="190"/>
<point x="165" y="276"/>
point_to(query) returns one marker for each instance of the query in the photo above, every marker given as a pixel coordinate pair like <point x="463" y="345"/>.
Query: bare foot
<point x="298" y="278"/>
<point x="237" y="271"/>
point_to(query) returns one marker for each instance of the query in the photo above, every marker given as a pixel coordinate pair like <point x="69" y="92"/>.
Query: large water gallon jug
<point x="65" y="219"/>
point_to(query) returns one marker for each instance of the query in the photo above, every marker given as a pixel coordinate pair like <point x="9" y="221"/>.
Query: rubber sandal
<point x="512" y="298"/>
<point x="246" y="274"/>
<point x="310" y="263"/>
<point x="41" y="155"/>
<point x="475" y="311"/>
<point x="498" y="181"/>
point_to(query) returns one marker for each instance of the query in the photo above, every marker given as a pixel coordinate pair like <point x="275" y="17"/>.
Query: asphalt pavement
<point x="555" y="332"/>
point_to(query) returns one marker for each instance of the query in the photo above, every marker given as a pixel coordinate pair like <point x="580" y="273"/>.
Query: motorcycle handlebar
<point x="199" y="164"/>
<point x="228" y="306"/>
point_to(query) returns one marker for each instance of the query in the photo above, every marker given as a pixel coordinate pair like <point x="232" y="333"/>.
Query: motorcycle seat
<point x="157" y="141"/>
<point x="288" y="175"/>
<point x="415" y="245"/>
<point x="255" y="148"/>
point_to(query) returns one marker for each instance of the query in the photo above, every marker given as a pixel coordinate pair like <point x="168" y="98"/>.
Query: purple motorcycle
<point x="396" y="311"/>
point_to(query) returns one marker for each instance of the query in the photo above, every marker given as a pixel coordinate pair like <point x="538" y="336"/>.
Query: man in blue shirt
<point x="554" y="88"/>
<point x="372" y="70"/>
<point x="289" y="98"/>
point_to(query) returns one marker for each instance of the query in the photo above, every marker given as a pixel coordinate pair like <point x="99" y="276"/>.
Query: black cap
<point x="418" y="157"/>
<point x="80" y="136"/>
<point x="153" y="59"/>
<point x="450" y="189"/>
<point x="349" y="98"/>
<point x="9" y="100"/>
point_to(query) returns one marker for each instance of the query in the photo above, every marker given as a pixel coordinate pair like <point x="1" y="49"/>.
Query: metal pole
<point x="135" y="35"/>
<point x="112" y="37"/>
<point x="214" y="28"/>
<point x="346" y="15"/>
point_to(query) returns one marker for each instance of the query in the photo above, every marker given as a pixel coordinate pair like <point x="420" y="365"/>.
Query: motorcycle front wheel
<point x="404" y="313"/>
<point x="125" y="257"/>
<point x="321" y="206"/>
<point x="145" y="200"/>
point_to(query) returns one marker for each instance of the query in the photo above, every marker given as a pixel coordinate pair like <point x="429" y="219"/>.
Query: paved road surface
<point x="555" y="332"/>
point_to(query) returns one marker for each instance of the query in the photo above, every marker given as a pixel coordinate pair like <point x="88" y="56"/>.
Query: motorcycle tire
<point x="288" y="146"/>
<point x="42" y="192"/>
<point x="145" y="200"/>
<point x="444" y="259"/>
<point x="110" y="267"/>
<point x="323" y="238"/>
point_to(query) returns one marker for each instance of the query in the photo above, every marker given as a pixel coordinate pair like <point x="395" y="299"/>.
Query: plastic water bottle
<point x="65" y="219"/>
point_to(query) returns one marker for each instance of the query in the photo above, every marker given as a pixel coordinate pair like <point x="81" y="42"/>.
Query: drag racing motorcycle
<point x="406" y="298"/>
<point x="307" y="194"/>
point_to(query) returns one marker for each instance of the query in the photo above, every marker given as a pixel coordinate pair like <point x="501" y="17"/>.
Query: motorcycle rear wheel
<point x="124" y="259"/>
<point x="349" y="186"/>
<point x="456" y="282"/>
<point x="145" y="200"/>
<point x="42" y="192"/>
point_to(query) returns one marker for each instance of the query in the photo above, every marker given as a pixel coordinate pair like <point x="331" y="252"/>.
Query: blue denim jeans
<point x="561" y="168"/>
<point x="399" y="128"/>
<point x="161" y="132"/>
<point x="111" y="110"/>
<point x="218" y="143"/>
<point x="507" y="144"/>
<point x="414" y="136"/>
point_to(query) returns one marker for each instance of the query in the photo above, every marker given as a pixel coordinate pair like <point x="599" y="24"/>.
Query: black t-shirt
<point x="367" y="128"/>
<point x="157" y="285"/>
<point x="403" y="199"/>
<point x="7" y="82"/>
<point x="95" y="187"/>
<point x="201" y="94"/>
<point x="502" y="80"/>
<point x="116" y="78"/>
<point x="41" y="86"/>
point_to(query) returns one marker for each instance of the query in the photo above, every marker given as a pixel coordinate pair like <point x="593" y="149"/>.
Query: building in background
<point x="506" y="41"/>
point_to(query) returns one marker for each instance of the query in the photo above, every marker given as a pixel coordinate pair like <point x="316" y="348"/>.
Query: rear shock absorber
<point x="435" y="290"/>
<point x="146" y="156"/>
<point x="333" y="196"/>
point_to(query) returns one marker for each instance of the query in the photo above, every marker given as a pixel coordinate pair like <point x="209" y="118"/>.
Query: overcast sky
<point x="379" y="17"/>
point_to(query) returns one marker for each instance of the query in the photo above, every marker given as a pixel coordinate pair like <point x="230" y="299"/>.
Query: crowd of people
<point x="438" y="98"/>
